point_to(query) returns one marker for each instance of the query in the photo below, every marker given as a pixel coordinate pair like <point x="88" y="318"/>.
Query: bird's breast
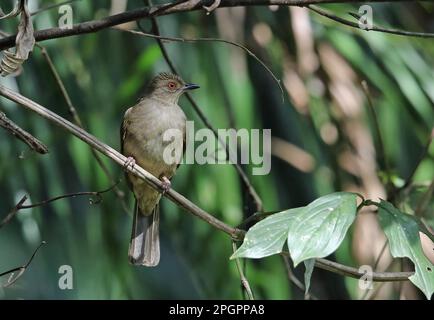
<point x="150" y="128"/>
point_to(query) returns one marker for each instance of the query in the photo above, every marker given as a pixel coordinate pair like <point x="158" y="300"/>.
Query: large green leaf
<point x="314" y="231"/>
<point x="402" y="231"/>
<point x="318" y="229"/>
<point x="267" y="237"/>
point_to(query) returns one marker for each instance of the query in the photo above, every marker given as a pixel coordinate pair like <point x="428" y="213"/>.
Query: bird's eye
<point x="172" y="85"/>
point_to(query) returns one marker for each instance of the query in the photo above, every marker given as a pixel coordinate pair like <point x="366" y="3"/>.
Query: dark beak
<point x="191" y="86"/>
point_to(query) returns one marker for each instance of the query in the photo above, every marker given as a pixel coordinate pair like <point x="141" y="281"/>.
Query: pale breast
<point x="148" y="122"/>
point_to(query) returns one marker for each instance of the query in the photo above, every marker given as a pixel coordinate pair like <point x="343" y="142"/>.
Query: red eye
<point x="172" y="85"/>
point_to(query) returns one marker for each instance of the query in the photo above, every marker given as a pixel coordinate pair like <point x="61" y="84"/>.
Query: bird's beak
<point x="191" y="86"/>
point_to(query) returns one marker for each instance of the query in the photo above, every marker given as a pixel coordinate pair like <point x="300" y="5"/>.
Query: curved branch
<point x="353" y="24"/>
<point x="147" y="12"/>
<point x="96" y="194"/>
<point x="355" y="273"/>
<point x="245" y="180"/>
<point x="422" y="156"/>
<point x="32" y="142"/>
<point x="180" y="200"/>
<point x="20" y="205"/>
<point x="235" y="44"/>
<point x="12" y="213"/>
<point x="154" y="182"/>
<point x="77" y="120"/>
<point x="13" y="278"/>
<point x="244" y="282"/>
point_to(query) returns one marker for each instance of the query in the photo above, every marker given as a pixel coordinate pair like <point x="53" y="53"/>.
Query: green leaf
<point x="267" y="237"/>
<point x="402" y="231"/>
<point x="309" y="265"/>
<point x="318" y="229"/>
<point x="314" y="231"/>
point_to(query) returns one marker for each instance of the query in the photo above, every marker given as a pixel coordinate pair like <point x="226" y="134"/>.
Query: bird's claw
<point x="129" y="163"/>
<point x="212" y="7"/>
<point x="166" y="184"/>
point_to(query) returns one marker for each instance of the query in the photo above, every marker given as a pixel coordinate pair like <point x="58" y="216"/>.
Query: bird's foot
<point x="166" y="184"/>
<point x="212" y="7"/>
<point x="129" y="163"/>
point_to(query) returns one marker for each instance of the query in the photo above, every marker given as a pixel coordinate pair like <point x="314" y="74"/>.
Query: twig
<point x="171" y="194"/>
<point x="20" y="270"/>
<point x="369" y="295"/>
<point x="380" y="144"/>
<point x="420" y="209"/>
<point x="383" y="249"/>
<point x="13" y="212"/>
<point x="244" y="282"/>
<point x="121" y="160"/>
<point x="20" y="205"/>
<point x="22" y="135"/>
<point x="294" y="279"/>
<point x="356" y="25"/>
<point x="96" y="194"/>
<point x="147" y="12"/>
<point x="422" y="156"/>
<point x="354" y="273"/>
<point x="162" y="8"/>
<point x="377" y="261"/>
<point x="250" y="189"/>
<point x="76" y="118"/>
<point x="258" y="216"/>
<point x="179" y="39"/>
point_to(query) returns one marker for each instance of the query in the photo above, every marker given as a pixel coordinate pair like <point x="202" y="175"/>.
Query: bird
<point x="143" y="143"/>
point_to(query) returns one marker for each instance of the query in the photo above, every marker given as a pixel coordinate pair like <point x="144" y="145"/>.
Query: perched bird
<point x="142" y="141"/>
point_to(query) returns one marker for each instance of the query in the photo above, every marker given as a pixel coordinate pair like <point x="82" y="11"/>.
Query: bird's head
<point x="168" y="87"/>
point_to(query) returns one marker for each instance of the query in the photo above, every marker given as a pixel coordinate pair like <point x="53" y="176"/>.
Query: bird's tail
<point x="145" y="241"/>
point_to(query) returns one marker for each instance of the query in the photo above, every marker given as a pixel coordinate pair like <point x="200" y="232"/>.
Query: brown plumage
<point x="142" y="131"/>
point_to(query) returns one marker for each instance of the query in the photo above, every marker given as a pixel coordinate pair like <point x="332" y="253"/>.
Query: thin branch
<point x="244" y="282"/>
<point x="71" y="108"/>
<point x="355" y="273"/>
<point x="121" y="160"/>
<point x="96" y="194"/>
<point x="154" y="182"/>
<point x="381" y="150"/>
<point x="249" y="187"/>
<point x="13" y="278"/>
<point x="356" y="25"/>
<point x="258" y="216"/>
<point x="22" y="135"/>
<point x="162" y="8"/>
<point x="377" y="261"/>
<point x="426" y="198"/>
<point x="238" y="45"/>
<point x="147" y="12"/>
<point x="369" y="295"/>
<point x="380" y="255"/>
<point x="294" y="279"/>
<point x="422" y="156"/>
<point x="76" y="118"/>
<point x="13" y="212"/>
<point x="20" y="205"/>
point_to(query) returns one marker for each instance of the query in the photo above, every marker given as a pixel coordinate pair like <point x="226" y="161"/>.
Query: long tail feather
<point x="145" y="241"/>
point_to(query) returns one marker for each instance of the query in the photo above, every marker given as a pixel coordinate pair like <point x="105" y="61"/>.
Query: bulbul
<point x="143" y="142"/>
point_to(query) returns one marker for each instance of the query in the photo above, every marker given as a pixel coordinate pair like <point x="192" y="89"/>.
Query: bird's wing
<point x="184" y="146"/>
<point x="123" y="135"/>
<point x="124" y="131"/>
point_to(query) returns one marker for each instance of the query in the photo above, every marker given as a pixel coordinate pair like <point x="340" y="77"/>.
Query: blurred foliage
<point x="105" y="73"/>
